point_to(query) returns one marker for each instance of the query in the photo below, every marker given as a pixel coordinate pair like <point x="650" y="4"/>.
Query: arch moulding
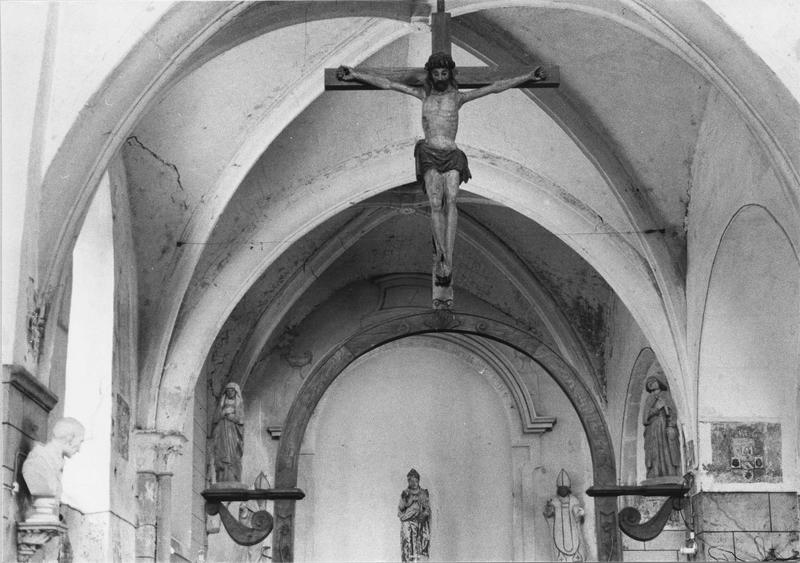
<point x="380" y="333"/>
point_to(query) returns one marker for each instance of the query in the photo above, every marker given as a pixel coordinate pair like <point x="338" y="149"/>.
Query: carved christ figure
<point x="441" y="165"/>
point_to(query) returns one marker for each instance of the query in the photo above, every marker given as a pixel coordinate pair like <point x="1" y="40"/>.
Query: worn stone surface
<point x="747" y="524"/>
<point x="783" y="513"/>
<point x="628" y="543"/>
<point x="732" y="511"/>
<point x="667" y="540"/>
<point x="715" y="546"/>
<point x="659" y="555"/>
<point x="90" y="535"/>
<point x="755" y="546"/>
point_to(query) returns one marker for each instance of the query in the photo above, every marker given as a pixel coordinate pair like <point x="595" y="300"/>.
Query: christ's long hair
<point x="439" y="60"/>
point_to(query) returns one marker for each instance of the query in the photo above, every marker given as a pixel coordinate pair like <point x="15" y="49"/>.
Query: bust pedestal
<point x="45" y="511"/>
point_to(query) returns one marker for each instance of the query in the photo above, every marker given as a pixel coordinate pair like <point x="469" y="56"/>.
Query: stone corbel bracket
<point x="630" y="518"/>
<point x="262" y="520"/>
<point x="32" y="536"/>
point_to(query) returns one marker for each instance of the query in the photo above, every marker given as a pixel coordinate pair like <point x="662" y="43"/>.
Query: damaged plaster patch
<point x="590" y="322"/>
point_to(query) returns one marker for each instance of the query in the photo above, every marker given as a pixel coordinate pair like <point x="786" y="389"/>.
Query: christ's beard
<point x="441" y="85"/>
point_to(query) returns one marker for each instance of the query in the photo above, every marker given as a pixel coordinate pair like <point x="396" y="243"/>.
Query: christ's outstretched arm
<point x="347" y="73"/>
<point x="535" y="75"/>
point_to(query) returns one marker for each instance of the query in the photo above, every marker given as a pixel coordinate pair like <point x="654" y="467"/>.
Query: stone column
<point x="146" y="505"/>
<point x="163" y="518"/>
<point x="156" y="453"/>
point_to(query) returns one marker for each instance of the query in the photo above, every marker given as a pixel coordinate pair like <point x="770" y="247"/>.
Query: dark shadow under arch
<point x="373" y="336"/>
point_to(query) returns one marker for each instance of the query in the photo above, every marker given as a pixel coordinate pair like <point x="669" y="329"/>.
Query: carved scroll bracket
<point x="31" y="536"/>
<point x="262" y="521"/>
<point x="630" y="518"/>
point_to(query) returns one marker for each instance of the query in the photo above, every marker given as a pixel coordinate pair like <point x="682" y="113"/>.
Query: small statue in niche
<point x="662" y="452"/>
<point x="227" y="435"/>
<point x="565" y="516"/>
<point x="414" y="512"/>
<point x="44" y="466"/>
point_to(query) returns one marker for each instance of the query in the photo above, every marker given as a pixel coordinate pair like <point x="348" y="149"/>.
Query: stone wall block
<point x="198" y="506"/>
<point x="667" y="540"/>
<point x="630" y="544"/>
<point x="755" y="546"/>
<point x="715" y="546"/>
<point x="34" y="421"/>
<point x="16" y="442"/>
<point x="783" y="512"/>
<point x="9" y="552"/>
<point x="28" y="402"/>
<point x="147" y="498"/>
<point x="656" y="555"/>
<point x="14" y="404"/>
<point x="145" y="541"/>
<point x="721" y="512"/>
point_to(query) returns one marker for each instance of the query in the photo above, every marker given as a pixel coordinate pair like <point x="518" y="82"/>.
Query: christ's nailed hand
<point x="344" y="73"/>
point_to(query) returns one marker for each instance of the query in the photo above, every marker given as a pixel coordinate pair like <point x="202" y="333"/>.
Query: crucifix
<point x="440" y="165"/>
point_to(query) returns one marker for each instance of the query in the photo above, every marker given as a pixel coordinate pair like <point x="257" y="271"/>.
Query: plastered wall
<point x="743" y="291"/>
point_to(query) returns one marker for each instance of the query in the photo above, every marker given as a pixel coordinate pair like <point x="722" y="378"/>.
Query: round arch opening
<point x="372" y="337"/>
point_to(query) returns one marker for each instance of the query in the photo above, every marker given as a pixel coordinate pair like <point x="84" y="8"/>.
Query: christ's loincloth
<point x="441" y="160"/>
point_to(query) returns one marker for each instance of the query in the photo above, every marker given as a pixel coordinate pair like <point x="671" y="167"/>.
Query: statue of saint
<point x="439" y="162"/>
<point x="662" y="454"/>
<point x="565" y="516"/>
<point x="414" y="512"/>
<point x="44" y="466"/>
<point x="227" y="435"/>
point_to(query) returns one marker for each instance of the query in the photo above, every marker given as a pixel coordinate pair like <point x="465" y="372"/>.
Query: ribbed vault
<point x="216" y="165"/>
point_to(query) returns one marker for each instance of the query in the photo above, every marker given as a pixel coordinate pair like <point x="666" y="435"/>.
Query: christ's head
<point x="441" y="71"/>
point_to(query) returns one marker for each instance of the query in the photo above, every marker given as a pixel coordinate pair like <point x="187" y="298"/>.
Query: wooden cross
<point x="468" y="77"/>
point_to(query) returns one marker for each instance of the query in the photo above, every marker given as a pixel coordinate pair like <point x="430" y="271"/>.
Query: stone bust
<point x="43" y="467"/>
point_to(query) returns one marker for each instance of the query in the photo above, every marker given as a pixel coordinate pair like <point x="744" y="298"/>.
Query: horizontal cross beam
<point x="232" y="495"/>
<point x="467" y="77"/>
<point x="663" y="490"/>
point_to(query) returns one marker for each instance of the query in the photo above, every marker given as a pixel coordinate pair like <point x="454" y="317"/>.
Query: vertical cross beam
<point x="440" y="30"/>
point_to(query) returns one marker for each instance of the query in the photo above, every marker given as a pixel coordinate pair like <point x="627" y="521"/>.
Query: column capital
<point x="157" y="451"/>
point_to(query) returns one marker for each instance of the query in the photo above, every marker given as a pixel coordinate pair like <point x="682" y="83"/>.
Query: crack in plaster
<point x="134" y="139"/>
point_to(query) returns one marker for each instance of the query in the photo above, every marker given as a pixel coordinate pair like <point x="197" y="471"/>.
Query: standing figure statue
<point x="227" y="435"/>
<point x="44" y="467"/>
<point x="662" y="454"/>
<point x="414" y="512"/>
<point x="565" y="515"/>
<point x="440" y="164"/>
